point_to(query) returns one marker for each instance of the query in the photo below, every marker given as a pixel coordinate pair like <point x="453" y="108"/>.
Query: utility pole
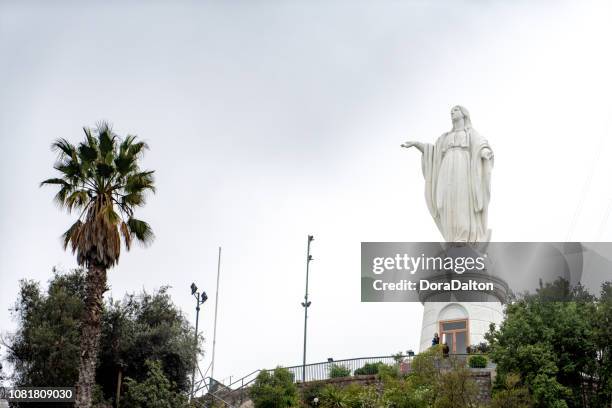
<point x="212" y="365"/>
<point x="200" y="299"/>
<point x="306" y="305"/>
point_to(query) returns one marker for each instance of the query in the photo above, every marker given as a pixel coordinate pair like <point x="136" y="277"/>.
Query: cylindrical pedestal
<point x="478" y="317"/>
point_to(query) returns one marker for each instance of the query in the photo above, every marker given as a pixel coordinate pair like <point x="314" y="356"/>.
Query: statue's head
<point x="459" y="112"/>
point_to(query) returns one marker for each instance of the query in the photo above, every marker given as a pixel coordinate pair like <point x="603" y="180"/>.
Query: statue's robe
<point x="458" y="185"/>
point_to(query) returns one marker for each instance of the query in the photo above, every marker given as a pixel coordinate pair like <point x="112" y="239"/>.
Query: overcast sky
<point x="271" y="120"/>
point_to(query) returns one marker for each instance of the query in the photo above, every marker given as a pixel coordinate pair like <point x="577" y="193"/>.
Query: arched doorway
<point x="454" y="328"/>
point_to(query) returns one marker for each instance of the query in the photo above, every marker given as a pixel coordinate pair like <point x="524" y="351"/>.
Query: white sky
<point x="271" y="120"/>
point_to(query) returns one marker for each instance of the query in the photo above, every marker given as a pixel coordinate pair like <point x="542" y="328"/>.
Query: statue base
<point x="459" y="324"/>
<point x="462" y="318"/>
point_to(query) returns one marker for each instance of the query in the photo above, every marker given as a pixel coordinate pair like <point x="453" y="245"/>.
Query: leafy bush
<point x="396" y="393"/>
<point x="310" y="391"/>
<point x="456" y="389"/>
<point x="334" y="397"/>
<point x="360" y="396"/>
<point x="443" y="382"/>
<point x="403" y="393"/>
<point x="512" y="394"/>
<point x="337" y="370"/>
<point x="426" y="366"/>
<point x="430" y="385"/>
<point x="351" y="396"/>
<point x="154" y="392"/>
<point x="275" y="390"/>
<point x="369" y="368"/>
<point x="482" y="347"/>
<point x="478" y="361"/>
<point x="398" y="357"/>
<point x="388" y="371"/>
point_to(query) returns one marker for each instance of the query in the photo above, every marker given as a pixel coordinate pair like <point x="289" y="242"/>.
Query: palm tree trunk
<point x="118" y="393"/>
<point x="90" y="334"/>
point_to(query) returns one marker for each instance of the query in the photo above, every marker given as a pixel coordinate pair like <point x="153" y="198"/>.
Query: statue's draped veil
<point x="466" y="116"/>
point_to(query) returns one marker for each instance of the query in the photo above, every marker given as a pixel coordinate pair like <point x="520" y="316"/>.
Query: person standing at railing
<point x="436" y="340"/>
<point x="445" y="350"/>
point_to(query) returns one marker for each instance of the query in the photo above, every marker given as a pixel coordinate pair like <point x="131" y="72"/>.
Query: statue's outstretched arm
<point x="418" y="145"/>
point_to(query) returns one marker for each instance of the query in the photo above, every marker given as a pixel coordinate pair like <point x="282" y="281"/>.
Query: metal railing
<point x="322" y="371"/>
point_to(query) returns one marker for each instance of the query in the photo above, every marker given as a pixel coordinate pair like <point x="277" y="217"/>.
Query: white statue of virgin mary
<point x="457" y="171"/>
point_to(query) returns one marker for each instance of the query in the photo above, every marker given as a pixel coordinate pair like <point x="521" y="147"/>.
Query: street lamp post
<point x="200" y="299"/>
<point x="306" y="305"/>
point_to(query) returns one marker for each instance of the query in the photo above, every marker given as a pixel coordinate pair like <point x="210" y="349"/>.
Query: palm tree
<point x="100" y="179"/>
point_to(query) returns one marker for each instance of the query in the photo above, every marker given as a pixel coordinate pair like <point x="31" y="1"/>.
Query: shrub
<point x="154" y="392"/>
<point x="351" y="396"/>
<point x="443" y="382"/>
<point x="403" y="393"/>
<point x="478" y="361"/>
<point x="337" y="370"/>
<point x="333" y="397"/>
<point x="369" y="368"/>
<point x="426" y="366"/>
<point x="360" y="396"/>
<point x="310" y="391"/>
<point x="512" y="394"/>
<point x="274" y="390"/>
<point x="482" y="347"/>
<point x="398" y="357"/>
<point x="455" y="389"/>
<point x="388" y="371"/>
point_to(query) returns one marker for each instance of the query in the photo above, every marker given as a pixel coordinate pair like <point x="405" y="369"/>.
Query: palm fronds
<point x="101" y="179"/>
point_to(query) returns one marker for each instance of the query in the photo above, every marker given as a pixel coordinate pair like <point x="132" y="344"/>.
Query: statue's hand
<point x="487" y="154"/>
<point x="418" y="145"/>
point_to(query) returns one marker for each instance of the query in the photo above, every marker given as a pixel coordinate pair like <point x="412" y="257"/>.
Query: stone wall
<point x="484" y="380"/>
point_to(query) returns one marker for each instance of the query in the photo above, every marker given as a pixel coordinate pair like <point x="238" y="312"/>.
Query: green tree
<point x="44" y="350"/>
<point x="101" y="180"/>
<point x="140" y="328"/>
<point x="155" y="391"/>
<point x="274" y="389"/>
<point x="601" y="380"/>
<point x="555" y="340"/>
